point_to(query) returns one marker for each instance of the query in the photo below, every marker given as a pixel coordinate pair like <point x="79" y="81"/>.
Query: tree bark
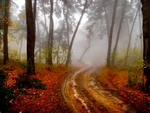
<point x="5" y="34"/>
<point x="146" y="43"/>
<point x="34" y="15"/>
<point x="34" y="11"/>
<point x="50" y="40"/>
<point x="111" y="34"/>
<point x="30" y="37"/>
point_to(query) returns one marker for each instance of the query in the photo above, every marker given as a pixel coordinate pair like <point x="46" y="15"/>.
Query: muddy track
<point x="84" y="94"/>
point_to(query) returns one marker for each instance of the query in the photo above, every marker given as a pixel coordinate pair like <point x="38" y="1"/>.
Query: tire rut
<point x="84" y="94"/>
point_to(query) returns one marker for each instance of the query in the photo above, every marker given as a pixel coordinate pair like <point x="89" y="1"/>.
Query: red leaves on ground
<point x="40" y="101"/>
<point x="117" y="82"/>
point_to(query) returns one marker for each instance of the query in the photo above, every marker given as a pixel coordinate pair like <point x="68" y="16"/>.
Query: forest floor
<point x="116" y="80"/>
<point x="51" y="99"/>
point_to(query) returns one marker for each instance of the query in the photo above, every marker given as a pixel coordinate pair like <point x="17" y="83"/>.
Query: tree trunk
<point x="67" y="25"/>
<point x="50" y="40"/>
<point x="45" y="21"/>
<point x="30" y="37"/>
<point x="106" y="17"/>
<point x="59" y="42"/>
<point x="146" y="43"/>
<point x="1" y="39"/>
<point x="40" y="45"/>
<point x="90" y="38"/>
<point x="5" y="34"/>
<point x="74" y="34"/>
<point x="86" y="49"/>
<point x="141" y="36"/>
<point x="34" y="15"/>
<point x="111" y="33"/>
<point x="21" y="39"/>
<point x="118" y="36"/>
<point x="130" y="36"/>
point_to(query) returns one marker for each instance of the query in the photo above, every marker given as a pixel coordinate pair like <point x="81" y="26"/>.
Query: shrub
<point x="30" y="83"/>
<point x="23" y="64"/>
<point x="6" y="94"/>
<point x="24" y="82"/>
<point x="2" y="77"/>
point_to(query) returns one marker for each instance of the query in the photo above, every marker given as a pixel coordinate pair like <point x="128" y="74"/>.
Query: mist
<point x="68" y="56"/>
<point x="93" y="31"/>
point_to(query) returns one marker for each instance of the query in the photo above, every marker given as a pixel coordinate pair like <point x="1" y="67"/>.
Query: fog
<point x="96" y="23"/>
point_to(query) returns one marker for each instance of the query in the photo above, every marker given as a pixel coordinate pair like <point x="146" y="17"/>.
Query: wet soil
<point x="83" y="92"/>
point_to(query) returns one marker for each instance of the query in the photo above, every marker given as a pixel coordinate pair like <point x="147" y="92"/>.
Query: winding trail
<point x="84" y="94"/>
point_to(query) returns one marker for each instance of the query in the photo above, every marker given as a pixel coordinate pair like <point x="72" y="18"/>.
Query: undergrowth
<point x="135" y="71"/>
<point x="6" y="94"/>
<point x="23" y="82"/>
<point x="130" y="76"/>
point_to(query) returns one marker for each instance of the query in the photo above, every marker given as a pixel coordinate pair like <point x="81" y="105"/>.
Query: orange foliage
<point x="12" y="75"/>
<point x="117" y="82"/>
<point x="37" y="100"/>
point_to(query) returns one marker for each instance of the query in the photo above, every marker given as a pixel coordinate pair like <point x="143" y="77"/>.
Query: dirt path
<point x="84" y="94"/>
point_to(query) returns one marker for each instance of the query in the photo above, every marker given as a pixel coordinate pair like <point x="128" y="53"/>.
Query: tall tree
<point x="146" y="43"/>
<point x="50" y="39"/>
<point x="118" y="35"/>
<point x="30" y="37"/>
<point x="93" y="30"/>
<point x="106" y="17"/>
<point x="5" y="34"/>
<point x="130" y="36"/>
<point x="74" y="34"/>
<point x="65" y="13"/>
<point x="111" y="33"/>
<point x="60" y="41"/>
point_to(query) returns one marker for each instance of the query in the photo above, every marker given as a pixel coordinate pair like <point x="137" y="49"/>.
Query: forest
<point x="74" y="56"/>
